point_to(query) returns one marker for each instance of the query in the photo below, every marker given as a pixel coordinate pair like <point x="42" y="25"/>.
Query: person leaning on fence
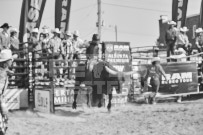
<point x="77" y="45"/>
<point x="170" y="38"/>
<point x="154" y="73"/>
<point x="44" y="41"/>
<point x="14" y="41"/>
<point x="6" y="59"/>
<point x="199" y="39"/>
<point x="5" y="37"/>
<point x="182" y="39"/>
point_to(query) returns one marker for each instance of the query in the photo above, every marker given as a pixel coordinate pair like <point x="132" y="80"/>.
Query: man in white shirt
<point x="67" y="45"/>
<point x="182" y="39"/>
<point x="77" y="45"/>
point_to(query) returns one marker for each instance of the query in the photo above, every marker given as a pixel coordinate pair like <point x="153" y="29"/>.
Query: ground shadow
<point x="61" y="112"/>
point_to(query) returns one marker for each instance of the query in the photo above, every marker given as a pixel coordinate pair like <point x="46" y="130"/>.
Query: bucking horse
<point x="98" y="80"/>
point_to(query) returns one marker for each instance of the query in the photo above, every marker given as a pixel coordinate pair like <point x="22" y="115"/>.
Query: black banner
<point x="62" y="14"/>
<point x="31" y="15"/>
<point x="201" y="15"/>
<point x="179" y="12"/>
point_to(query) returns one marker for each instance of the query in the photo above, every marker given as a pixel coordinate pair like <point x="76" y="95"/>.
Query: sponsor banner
<point x="118" y="54"/>
<point x="63" y="96"/>
<point x="42" y="101"/>
<point x="62" y="14"/>
<point x="31" y="14"/>
<point x="181" y="77"/>
<point x="179" y="12"/>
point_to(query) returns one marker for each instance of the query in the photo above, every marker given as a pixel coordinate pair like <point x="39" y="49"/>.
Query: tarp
<point x="179" y="12"/>
<point x="31" y="15"/>
<point x="62" y="14"/>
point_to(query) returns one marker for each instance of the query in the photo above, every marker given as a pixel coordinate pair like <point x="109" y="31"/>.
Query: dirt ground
<point x="168" y="118"/>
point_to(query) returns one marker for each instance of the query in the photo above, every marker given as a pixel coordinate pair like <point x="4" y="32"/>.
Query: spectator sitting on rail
<point x="14" y="40"/>
<point x="4" y="37"/>
<point x="154" y="71"/>
<point x="199" y="39"/>
<point x="182" y="39"/>
<point x="5" y="62"/>
<point x="179" y="55"/>
<point x="67" y="45"/>
<point x="77" y="45"/>
<point x="170" y="38"/>
<point x="44" y="40"/>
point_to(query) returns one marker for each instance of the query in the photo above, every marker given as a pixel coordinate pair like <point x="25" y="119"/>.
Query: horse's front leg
<point x="74" y="106"/>
<point x="109" y="104"/>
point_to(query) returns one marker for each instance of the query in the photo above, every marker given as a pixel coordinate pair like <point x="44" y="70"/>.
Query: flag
<point x="201" y="15"/>
<point x="179" y="12"/>
<point x="31" y="15"/>
<point x="62" y="14"/>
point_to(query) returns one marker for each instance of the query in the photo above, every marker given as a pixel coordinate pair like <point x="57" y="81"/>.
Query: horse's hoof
<point x="74" y="106"/>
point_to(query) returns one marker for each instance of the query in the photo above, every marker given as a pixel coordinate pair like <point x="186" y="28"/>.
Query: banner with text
<point x="179" y="12"/>
<point x="181" y="77"/>
<point x="31" y="15"/>
<point x="62" y="14"/>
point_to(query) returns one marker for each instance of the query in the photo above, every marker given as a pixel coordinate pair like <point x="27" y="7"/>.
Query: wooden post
<point x="51" y="75"/>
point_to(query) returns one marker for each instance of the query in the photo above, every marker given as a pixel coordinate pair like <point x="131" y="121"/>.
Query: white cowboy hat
<point x="56" y="30"/>
<point x="199" y="30"/>
<point x="76" y="33"/>
<point x="184" y="29"/>
<point x="14" y="30"/>
<point x="45" y="27"/>
<point x="156" y="59"/>
<point x="6" y="54"/>
<point x="68" y="33"/>
<point x="45" y="31"/>
<point x="181" y="50"/>
<point x="171" y="23"/>
<point x="35" y="30"/>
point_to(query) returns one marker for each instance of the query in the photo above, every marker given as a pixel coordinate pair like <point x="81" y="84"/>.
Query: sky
<point x="136" y="20"/>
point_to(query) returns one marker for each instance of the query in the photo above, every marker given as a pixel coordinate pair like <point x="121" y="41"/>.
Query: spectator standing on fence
<point x="154" y="73"/>
<point x="77" y="45"/>
<point x="182" y="39"/>
<point x="199" y="39"/>
<point x="67" y="45"/>
<point x="6" y="59"/>
<point x="55" y="44"/>
<point x="170" y="38"/>
<point x="44" y="40"/>
<point x="4" y="37"/>
<point x="14" y="41"/>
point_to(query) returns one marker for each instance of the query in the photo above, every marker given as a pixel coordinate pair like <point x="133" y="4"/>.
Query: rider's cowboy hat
<point x="35" y="30"/>
<point x="171" y="23"/>
<point x="199" y="30"/>
<point x="76" y="33"/>
<point x="68" y="33"/>
<point x="56" y="30"/>
<point x="156" y="59"/>
<point x="6" y="54"/>
<point x="14" y="30"/>
<point x="184" y="29"/>
<point x="5" y="25"/>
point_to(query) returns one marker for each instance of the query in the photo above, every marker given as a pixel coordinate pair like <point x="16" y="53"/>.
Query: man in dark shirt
<point x="170" y="38"/>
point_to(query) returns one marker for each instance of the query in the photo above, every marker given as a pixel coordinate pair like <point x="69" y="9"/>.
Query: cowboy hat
<point x="76" y="33"/>
<point x="14" y="30"/>
<point x="45" y="31"/>
<point x="35" y="30"/>
<point x="156" y="59"/>
<point x="184" y="29"/>
<point x="5" y="25"/>
<point x="171" y="23"/>
<point x="56" y="30"/>
<point x="45" y="27"/>
<point x="181" y="50"/>
<point x="199" y="30"/>
<point x="6" y="54"/>
<point x="68" y="33"/>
